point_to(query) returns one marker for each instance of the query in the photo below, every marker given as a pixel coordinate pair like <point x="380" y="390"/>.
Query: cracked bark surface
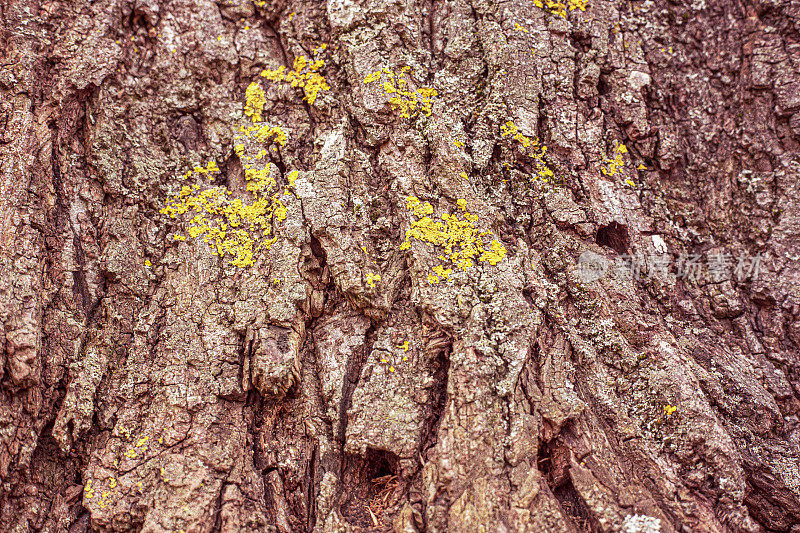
<point x="186" y="395"/>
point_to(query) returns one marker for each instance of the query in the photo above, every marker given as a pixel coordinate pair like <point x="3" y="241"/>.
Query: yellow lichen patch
<point x="105" y="499"/>
<point x="372" y="278"/>
<point x="233" y="226"/>
<point x="456" y="233"/>
<point x="255" y="99"/>
<point x="613" y="165"/>
<point x="405" y="99"/>
<point x="88" y="490"/>
<point x="531" y="147"/>
<point x="669" y="409"/>
<point x="441" y="272"/>
<point x="495" y="254"/>
<point x="578" y="4"/>
<point x="404" y="346"/>
<point x="304" y="74"/>
<point x="511" y="129"/>
<point x="265" y="133"/>
<point x="560" y="8"/>
<point x="375" y="76"/>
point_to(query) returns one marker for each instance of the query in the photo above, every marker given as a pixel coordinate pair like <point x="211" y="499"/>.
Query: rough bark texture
<point x="147" y="385"/>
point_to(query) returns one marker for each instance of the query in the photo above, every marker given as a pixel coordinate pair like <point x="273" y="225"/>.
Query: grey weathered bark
<point x="148" y="385"/>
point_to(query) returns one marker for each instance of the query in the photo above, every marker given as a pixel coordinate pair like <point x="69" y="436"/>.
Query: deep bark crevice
<point x="369" y="484"/>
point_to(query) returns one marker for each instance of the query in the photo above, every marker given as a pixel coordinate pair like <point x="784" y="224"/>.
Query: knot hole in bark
<point x="615" y="236"/>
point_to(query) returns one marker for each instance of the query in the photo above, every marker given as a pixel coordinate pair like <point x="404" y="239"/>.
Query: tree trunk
<point x="445" y="326"/>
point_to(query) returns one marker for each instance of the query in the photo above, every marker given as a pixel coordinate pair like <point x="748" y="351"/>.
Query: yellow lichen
<point x="495" y="254"/>
<point x="405" y="99"/>
<point x="232" y="226"/>
<point x="613" y="165"/>
<point x="559" y="8"/>
<point x="669" y="409"/>
<point x="456" y="233"/>
<point x="255" y="99"/>
<point x="441" y="272"/>
<point x="578" y="4"/>
<point x="372" y="278"/>
<point x="304" y="74"/>
<point x="531" y="147"/>
<point x="105" y="499"/>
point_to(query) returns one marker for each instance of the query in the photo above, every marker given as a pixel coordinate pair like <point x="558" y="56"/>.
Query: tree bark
<point x="627" y="360"/>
